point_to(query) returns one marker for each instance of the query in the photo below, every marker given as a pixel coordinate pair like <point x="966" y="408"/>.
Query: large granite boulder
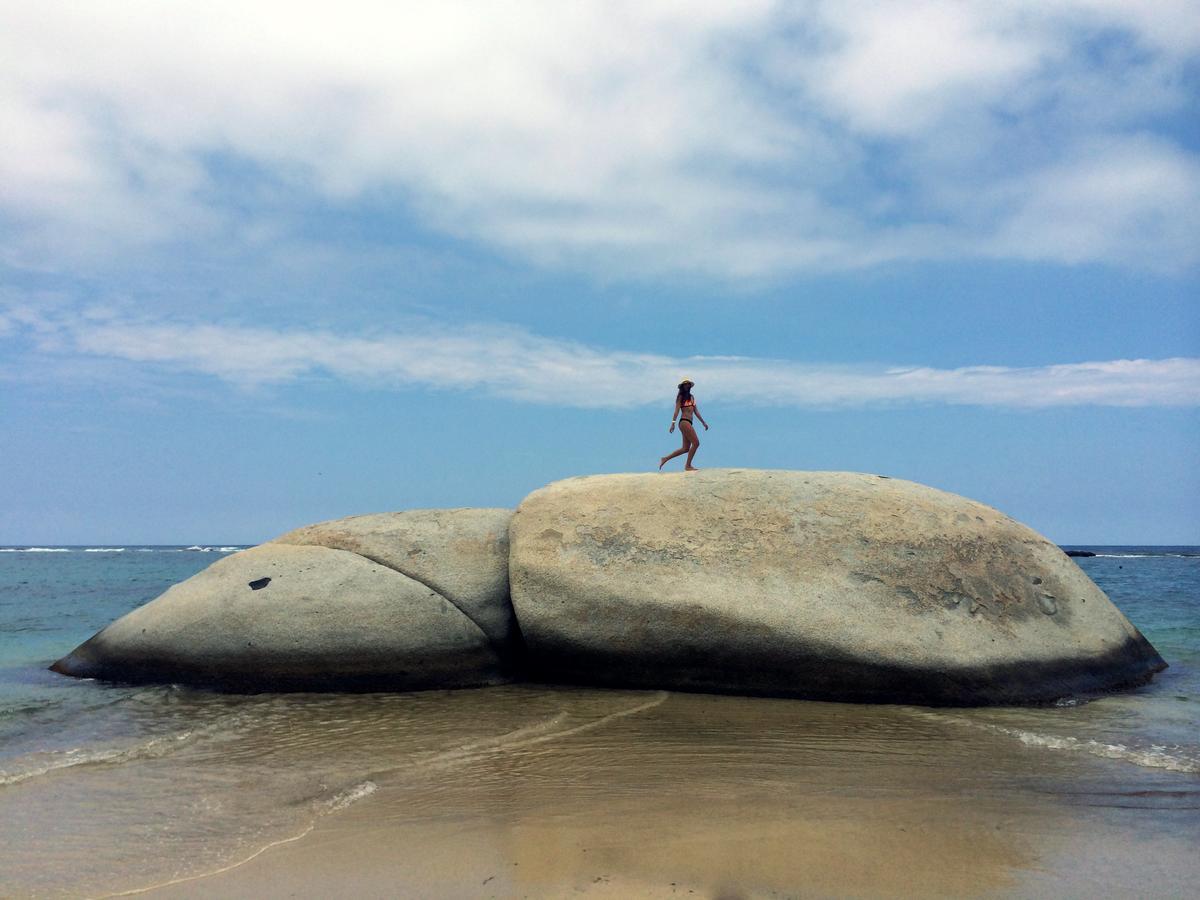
<point x="406" y="600"/>
<point x="823" y="585"/>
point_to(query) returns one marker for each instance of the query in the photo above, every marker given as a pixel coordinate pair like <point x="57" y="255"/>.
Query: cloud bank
<point x="737" y="140"/>
<point x="514" y="364"/>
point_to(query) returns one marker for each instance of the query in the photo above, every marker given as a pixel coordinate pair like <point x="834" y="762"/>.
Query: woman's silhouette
<point x="685" y="407"/>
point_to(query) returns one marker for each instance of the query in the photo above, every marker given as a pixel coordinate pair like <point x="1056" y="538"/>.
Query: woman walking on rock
<point x="685" y="408"/>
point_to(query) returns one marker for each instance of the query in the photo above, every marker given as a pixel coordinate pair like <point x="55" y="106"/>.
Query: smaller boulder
<point x="461" y="554"/>
<point x="406" y="600"/>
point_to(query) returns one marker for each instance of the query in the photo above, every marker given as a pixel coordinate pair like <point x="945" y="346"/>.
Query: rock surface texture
<point x="823" y="585"/>
<point x="462" y="554"/>
<point x="405" y="600"/>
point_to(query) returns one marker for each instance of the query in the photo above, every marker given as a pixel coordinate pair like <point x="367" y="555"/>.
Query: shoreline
<point x="619" y="805"/>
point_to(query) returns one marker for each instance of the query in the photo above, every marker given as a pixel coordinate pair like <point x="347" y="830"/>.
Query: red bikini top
<point x="689" y="402"/>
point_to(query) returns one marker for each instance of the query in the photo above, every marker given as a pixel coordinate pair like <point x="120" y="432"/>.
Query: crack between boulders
<point x="421" y="581"/>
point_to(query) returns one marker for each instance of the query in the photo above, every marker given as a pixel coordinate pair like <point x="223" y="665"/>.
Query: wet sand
<point x="626" y="794"/>
<point x="887" y="855"/>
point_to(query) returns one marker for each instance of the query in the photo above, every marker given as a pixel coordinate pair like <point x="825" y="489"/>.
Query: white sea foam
<point x="349" y="796"/>
<point x="35" y="550"/>
<point x="49" y="761"/>
<point x="1155" y="756"/>
<point x="103" y="549"/>
<point x="549" y="729"/>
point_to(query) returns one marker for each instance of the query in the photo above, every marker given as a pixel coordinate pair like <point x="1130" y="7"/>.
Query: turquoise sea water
<point x="92" y="774"/>
<point x="52" y="598"/>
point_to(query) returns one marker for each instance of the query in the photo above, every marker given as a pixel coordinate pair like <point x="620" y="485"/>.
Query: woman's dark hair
<point x="685" y="391"/>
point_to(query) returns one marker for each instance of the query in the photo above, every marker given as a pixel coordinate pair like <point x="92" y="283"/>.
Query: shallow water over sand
<point x="565" y="785"/>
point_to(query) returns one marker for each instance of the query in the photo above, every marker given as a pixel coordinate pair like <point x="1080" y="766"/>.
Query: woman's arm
<point x="673" y="415"/>
<point x="696" y="410"/>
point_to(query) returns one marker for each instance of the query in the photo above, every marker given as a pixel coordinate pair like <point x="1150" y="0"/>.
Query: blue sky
<point x="261" y="267"/>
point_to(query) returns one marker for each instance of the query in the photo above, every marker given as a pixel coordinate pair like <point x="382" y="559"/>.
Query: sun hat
<point x="686" y="380"/>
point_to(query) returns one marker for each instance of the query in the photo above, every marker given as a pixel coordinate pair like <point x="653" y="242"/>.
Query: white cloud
<point x="898" y="68"/>
<point x="517" y="365"/>
<point x="1136" y="196"/>
<point x="738" y="139"/>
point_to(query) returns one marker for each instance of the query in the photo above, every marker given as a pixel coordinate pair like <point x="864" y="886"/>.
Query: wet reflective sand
<point x="546" y="792"/>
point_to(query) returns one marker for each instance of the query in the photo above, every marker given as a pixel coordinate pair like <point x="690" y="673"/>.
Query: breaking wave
<point x="1155" y="756"/>
<point x="349" y="796"/>
<point x="1174" y="759"/>
<point x="50" y="761"/>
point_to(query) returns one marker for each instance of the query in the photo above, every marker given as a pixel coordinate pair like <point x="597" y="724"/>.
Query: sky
<point x="274" y="263"/>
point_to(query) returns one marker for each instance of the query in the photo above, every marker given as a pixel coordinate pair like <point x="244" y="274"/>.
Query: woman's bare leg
<point x="693" y="444"/>
<point x="682" y="450"/>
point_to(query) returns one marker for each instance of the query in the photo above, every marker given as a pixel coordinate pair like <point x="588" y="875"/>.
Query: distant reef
<point x="821" y="585"/>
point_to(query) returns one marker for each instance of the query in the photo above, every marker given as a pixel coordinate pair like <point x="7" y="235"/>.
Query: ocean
<point x="107" y="789"/>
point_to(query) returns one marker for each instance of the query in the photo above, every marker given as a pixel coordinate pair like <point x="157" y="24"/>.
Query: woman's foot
<point x="662" y="461"/>
<point x="690" y="469"/>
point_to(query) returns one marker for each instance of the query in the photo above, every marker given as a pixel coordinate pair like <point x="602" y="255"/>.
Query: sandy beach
<point x="896" y="854"/>
<point x="624" y="794"/>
